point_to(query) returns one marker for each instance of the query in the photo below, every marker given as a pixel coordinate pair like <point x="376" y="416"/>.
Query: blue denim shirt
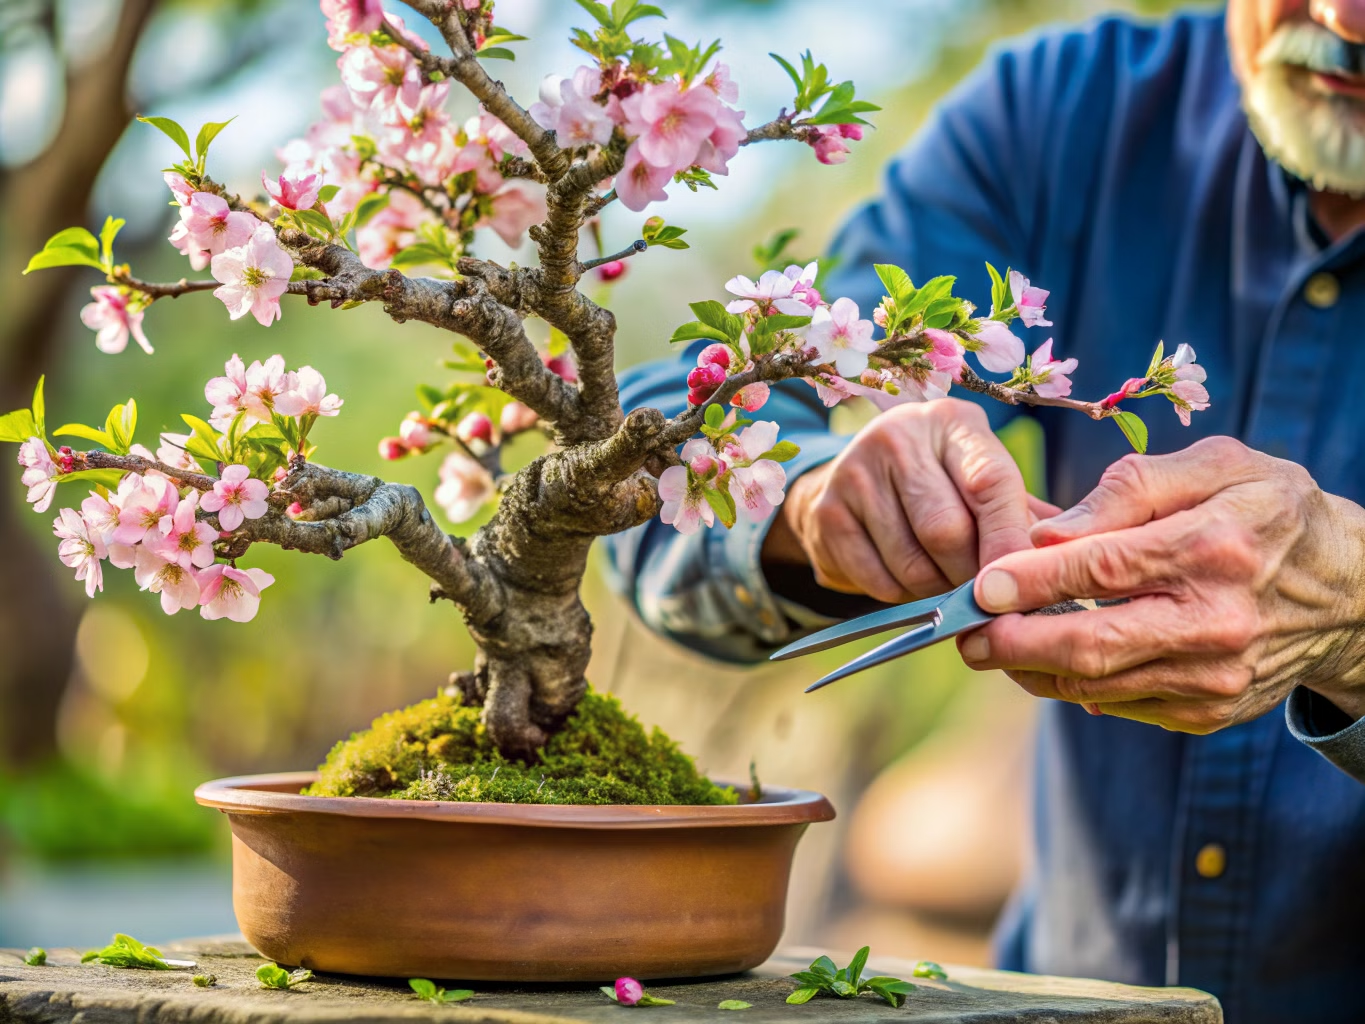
<point x="1113" y="165"/>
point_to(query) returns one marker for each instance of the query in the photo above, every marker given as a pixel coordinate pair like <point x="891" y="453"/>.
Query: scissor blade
<point x="957" y="613"/>
<point x="864" y="625"/>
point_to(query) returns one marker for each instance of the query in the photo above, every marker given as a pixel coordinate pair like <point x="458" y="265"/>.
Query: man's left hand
<point x="1245" y="580"/>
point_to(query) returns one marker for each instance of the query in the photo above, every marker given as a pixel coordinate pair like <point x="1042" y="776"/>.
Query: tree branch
<point x="637" y="246"/>
<point x="137" y="464"/>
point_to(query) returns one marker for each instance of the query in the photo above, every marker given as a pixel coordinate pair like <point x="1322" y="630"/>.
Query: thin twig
<point x="637" y="246"/>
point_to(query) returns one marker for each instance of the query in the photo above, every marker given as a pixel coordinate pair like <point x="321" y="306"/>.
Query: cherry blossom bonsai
<point x="384" y="184"/>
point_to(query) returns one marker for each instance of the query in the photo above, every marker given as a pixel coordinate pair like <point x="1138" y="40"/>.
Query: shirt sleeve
<point x="1318" y="723"/>
<point x="958" y="196"/>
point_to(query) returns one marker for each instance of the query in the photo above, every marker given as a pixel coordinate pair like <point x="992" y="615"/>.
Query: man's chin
<point x="1316" y="136"/>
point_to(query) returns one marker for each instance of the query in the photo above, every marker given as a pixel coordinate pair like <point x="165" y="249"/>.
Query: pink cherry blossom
<point x="465" y="487"/>
<point x="567" y="108"/>
<point x="753" y="441"/>
<point x="828" y="143"/>
<point x="1189" y="396"/>
<point x="379" y="77"/>
<point x="486" y="130"/>
<point x="629" y="991"/>
<point x="253" y="276"/>
<point x="715" y="355"/>
<point x="113" y="319"/>
<point x="236" y="497"/>
<point x="415" y="432"/>
<point x="171" y="452"/>
<point x="181" y="189"/>
<point x="946" y="352"/>
<point x="685" y="508"/>
<point x="183" y="539"/>
<point x="751" y="397"/>
<point x="519" y="205"/>
<point x="720" y="147"/>
<point x="227" y="394"/>
<point x="1029" y="302"/>
<point x="392" y="228"/>
<point x="999" y="349"/>
<point x="803" y="287"/>
<point x="701" y="458"/>
<point x="1049" y="375"/>
<point x="758" y="489"/>
<point x="913" y="384"/>
<point x="516" y="418"/>
<point x="837" y="335"/>
<point x="143" y="501"/>
<point x="1185" y="367"/>
<point x="669" y="122"/>
<point x="40" y="473"/>
<point x="640" y="183"/>
<point x="102" y="518"/>
<point x="476" y="427"/>
<point x="293" y="192"/>
<point x="178" y="586"/>
<point x="308" y="396"/>
<point x="720" y="83"/>
<point x="347" y="18"/>
<point x="774" y="290"/>
<point x="208" y="226"/>
<point x="266" y="383"/>
<point x="80" y="549"/>
<point x="228" y="593"/>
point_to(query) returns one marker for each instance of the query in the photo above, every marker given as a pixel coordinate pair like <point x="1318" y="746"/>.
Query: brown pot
<point x="508" y="892"/>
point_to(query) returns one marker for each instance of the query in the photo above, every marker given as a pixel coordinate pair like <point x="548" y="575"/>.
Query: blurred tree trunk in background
<point x="37" y="200"/>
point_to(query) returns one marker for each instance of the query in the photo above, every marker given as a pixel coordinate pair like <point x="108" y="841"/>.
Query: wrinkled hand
<point x="918" y="501"/>
<point x="1245" y="580"/>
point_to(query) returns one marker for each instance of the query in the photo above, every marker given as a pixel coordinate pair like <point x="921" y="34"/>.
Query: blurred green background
<point x="111" y="713"/>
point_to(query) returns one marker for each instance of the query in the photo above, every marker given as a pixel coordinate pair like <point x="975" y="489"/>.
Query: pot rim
<point x="277" y="793"/>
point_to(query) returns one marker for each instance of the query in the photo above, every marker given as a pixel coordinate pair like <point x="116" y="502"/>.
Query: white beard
<point x="1317" y="137"/>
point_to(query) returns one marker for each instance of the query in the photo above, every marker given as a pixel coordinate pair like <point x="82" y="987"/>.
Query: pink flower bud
<point x="564" y="366"/>
<point x="475" y="427"/>
<point x="851" y="131"/>
<point x="715" y="355"/>
<point x="879" y="317"/>
<point x="702" y="465"/>
<point x="516" y="418"/>
<point x="752" y="397"/>
<point x="695" y="397"/>
<point x="392" y="448"/>
<point x="66" y="459"/>
<point x="629" y="991"/>
<point x="281" y="474"/>
<point x="709" y="376"/>
<point x="414" y="431"/>
<point x="1130" y="387"/>
<point x="613" y="271"/>
<point x="294" y="510"/>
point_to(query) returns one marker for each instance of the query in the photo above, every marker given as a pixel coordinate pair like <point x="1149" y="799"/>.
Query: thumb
<point x="1140" y="488"/>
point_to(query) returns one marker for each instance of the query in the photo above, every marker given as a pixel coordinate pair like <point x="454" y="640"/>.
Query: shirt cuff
<point x="1316" y="722"/>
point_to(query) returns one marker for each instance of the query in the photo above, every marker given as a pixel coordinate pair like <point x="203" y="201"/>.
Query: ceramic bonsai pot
<point x="508" y="892"/>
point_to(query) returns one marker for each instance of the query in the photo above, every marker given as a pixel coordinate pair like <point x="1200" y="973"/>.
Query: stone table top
<point x="65" y="991"/>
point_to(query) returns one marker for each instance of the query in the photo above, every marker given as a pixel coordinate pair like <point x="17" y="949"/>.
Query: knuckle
<point x="1126" y="479"/>
<point x="1224" y="450"/>
<point x="1107" y="568"/>
<point x="1226" y="547"/>
<point x="1233" y="629"/>
<point x="1230" y="681"/>
<point x="946" y="528"/>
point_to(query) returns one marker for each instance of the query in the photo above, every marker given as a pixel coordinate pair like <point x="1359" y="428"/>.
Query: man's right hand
<point x="920" y="499"/>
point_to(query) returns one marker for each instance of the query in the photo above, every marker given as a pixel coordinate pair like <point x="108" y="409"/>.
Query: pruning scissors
<point x="933" y="619"/>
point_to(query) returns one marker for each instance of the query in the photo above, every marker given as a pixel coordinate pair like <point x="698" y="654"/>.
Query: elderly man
<point x="1196" y="181"/>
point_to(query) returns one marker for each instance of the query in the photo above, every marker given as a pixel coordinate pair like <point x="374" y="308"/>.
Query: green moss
<point x="439" y="750"/>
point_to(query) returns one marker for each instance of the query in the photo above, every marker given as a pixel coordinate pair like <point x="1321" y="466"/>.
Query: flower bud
<point x="613" y="271"/>
<point x="475" y="427"/>
<point x="392" y="448"/>
<point x="414" y="431"/>
<point x="702" y="465"/>
<point x="629" y="991"/>
<point x="294" y="510"/>
<point x="751" y="397"/>
<point x="563" y="366"/>
<point x="879" y="316"/>
<point x="695" y="397"/>
<point x="515" y="418"/>
<point x="66" y="459"/>
<point x="708" y="376"/>
<point x="281" y="474"/>
<point x="715" y="355"/>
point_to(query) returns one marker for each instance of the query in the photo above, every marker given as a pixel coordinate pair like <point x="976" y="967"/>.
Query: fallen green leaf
<point x="733" y="1004"/>
<point x="36" y="957"/>
<point x="126" y="951"/>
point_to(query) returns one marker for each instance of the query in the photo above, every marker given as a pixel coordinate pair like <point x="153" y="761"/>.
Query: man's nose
<point x="1344" y="17"/>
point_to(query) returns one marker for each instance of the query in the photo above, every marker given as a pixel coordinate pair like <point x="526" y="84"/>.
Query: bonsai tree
<point x="385" y="184"/>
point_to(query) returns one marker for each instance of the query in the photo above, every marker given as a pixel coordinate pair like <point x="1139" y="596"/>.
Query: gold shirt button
<point x="743" y="596"/>
<point x="1322" y="290"/>
<point x="1211" y="861"/>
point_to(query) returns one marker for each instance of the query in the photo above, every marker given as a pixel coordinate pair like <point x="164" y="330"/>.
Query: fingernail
<point x="999" y="591"/>
<point x="976" y="648"/>
<point x="1094" y="709"/>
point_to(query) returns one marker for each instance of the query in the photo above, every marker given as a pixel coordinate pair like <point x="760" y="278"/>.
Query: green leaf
<point x="780" y="322"/>
<point x="368" y="206"/>
<point x="856" y="965"/>
<point x="649" y="1000"/>
<point x="120" y="425"/>
<point x="106" y="478"/>
<point x="39" y="408"/>
<point x="1157" y="356"/>
<point x="423" y="987"/>
<point x="694" y="330"/>
<point x="824" y="965"/>
<point x="275" y="976"/>
<point x="1134" y="429"/>
<point x="896" y="281"/>
<point x="603" y="17"/>
<point x="112" y="226"/>
<point x="941" y="312"/>
<point x="207" y="133"/>
<point x="456" y="995"/>
<point x="843" y="989"/>
<point x="327" y="193"/>
<point x="172" y="131"/>
<point x="713" y="314"/>
<point x="125" y="951"/>
<point x="783" y="451"/>
<point x="608" y="990"/>
<point x="1000" y="292"/>
<point x="82" y="431"/>
<point x="929" y="969"/>
<point x="68" y="248"/>
<point x="802" y="995"/>
<point x="714" y="416"/>
<point x="791" y="71"/>
<point x="893" y="990"/>
<point x="733" y="1004"/>
<point x="812" y="978"/>
<point x="17" y="426"/>
<point x="418" y="255"/>
<point x="203" y="441"/>
<point x="37" y="957"/>
<point x="496" y="53"/>
<point x="721" y="503"/>
<point x="319" y="225"/>
<point x="205" y="980"/>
